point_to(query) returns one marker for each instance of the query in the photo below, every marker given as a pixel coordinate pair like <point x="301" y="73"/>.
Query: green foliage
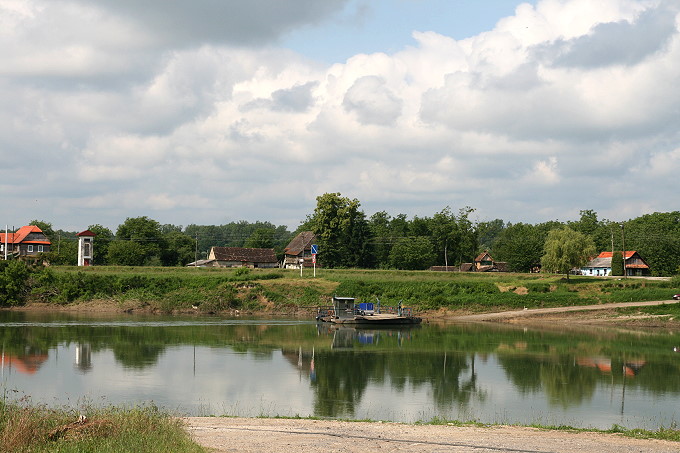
<point x="656" y="237"/>
<point x="566" y="249"/>
<point x="14" y="276"/>
<point x="238" y="234"/>
<point x="146" y="234"/>
<point x="617" y="263"/>
<point x="178" y="249"/>
<point x="412" y="253"/>
<point x="64" y="252"/>
<point x="100" y="246"/>
<point x="262" y="238"/>
<point x="126" y="253"/>
<point x="521" y="246"/>
<point x="342" y="231"/>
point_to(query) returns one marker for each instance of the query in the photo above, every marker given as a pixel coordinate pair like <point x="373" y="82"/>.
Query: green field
<point x="275" y="290"/>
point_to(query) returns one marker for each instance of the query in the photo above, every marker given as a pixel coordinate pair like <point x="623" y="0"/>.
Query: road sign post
<point x="315" y="250"/>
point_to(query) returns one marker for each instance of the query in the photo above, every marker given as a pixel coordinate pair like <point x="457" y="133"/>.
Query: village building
<point x="239" y="257"/>
<point x="299" y="251"/>
<point x="85" y="247"/>
<point x="601" y="266"/>
<point x="27" y="243"/>
<point x="483" y="263"/>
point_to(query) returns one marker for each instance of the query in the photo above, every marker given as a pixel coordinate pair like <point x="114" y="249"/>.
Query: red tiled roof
<point x="86" y="233"/>
<point x="21" y="234"/>
<point x="628" y="254"/>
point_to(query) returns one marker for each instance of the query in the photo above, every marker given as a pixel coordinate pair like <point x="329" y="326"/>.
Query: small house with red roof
<point x="27" y="242"/>
<point x="85" y="247"/>
<point x="635" y="265"/>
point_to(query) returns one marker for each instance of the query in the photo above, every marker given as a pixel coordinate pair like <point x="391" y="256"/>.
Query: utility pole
<point x="196" y="253"/>
<point x="623" y="253"/>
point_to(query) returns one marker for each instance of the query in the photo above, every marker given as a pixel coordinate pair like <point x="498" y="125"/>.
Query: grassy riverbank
<point x="110" y="430"/>
<point x="285" y="291"/>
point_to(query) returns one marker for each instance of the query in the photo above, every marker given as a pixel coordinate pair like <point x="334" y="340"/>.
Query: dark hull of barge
<point x="373" y="320"/>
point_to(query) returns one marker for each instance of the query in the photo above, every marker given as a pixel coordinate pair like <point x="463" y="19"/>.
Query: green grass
<point x="111" y="430"/>
<point x="214" y="290"/>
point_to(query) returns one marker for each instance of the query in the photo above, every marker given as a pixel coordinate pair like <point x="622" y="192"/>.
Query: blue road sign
<point x="315" y="249"/>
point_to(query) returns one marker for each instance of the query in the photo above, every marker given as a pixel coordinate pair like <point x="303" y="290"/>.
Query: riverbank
<point x="259" y="435"/>
<point x="623" y="314"/>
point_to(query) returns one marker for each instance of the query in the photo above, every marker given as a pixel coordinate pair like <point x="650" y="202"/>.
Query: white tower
<point x="85" y="243"/>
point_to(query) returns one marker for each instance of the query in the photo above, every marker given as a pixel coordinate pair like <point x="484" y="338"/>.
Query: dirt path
<point x="505" y="315"/>
<point x="315" y="436"/>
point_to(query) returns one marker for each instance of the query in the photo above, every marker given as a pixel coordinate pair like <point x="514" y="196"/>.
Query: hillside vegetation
<point x="169" y="290"/>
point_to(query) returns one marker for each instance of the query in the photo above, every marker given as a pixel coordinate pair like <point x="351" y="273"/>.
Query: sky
<point x="214" y="111"/>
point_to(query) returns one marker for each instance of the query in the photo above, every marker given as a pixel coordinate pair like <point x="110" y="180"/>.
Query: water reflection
<point x="206" y="366"/>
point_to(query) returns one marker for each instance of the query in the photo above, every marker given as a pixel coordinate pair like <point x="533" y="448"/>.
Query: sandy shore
<point x="261" y="435"/>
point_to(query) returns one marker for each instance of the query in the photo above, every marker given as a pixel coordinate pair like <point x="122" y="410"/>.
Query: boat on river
<point x="345" y="310"/>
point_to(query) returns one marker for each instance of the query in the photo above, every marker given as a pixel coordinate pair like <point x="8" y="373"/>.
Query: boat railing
<point x="323" y="312"/>
<point x="405" y="311"/>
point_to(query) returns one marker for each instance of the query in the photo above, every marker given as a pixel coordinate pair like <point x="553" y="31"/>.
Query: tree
<point x="488" y="232"/>
<point x="126" y="253"/>
<point x="656" y="237"/>
<point x="617" y="263"/>
<point x="146" y="234"/>
<point x="566" y="249"/>
<point x="412" y="253"/>
<point x="100" y="246"/>
<point x="179" y="250"/>
<point x="262" y="238"/>
<point x="521" y="246"/>
<point x="379" y="223"/>
<point x="342" y="231"/>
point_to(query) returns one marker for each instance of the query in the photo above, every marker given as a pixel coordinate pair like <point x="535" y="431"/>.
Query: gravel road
<point x="263" y="435"/>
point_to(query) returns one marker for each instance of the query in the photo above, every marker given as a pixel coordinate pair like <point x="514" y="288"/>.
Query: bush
<point x="14" y="277"/>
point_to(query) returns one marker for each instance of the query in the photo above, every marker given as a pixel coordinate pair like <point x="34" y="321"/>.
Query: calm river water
<point x="252" y="367"/>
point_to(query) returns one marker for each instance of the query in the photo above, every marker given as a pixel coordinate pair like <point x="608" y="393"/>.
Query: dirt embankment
<point x="603" y="314"/>
<point x="263" y="435"/>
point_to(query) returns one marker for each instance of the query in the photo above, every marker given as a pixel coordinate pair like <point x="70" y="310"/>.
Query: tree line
<point x="348" y="238"/>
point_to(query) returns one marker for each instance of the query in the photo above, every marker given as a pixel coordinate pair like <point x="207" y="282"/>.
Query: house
<point x="601" y="265"/>
<point x="299" y="250"/>
<point x="242" y="257"/>
<point x="484" y="263"/>
<point x="26" y="243"/>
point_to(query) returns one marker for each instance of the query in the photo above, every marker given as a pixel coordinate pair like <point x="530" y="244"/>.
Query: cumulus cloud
<point x="372" y="101"/>
<point x="190" y="113"/>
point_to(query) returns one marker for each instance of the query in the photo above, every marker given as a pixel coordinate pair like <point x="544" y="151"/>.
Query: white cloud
<point x="206" y="125"/>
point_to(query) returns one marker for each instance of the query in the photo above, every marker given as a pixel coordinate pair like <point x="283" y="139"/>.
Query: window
<point x="41" y="249"/>
<point x="30" y="249"/>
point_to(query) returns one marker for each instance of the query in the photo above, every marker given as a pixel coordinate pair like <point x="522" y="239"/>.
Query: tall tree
<point x="262" y="238"/>
<point x="412" y="253"/>
<point x="146" y="234"/>
<point x="521" y="246"/>
<point x="657" y="238"/>
<point x="488" y="232"/>
<point x="341" y="229"/>
<point x="566" y="249"/>
<point x="100" y="246"/>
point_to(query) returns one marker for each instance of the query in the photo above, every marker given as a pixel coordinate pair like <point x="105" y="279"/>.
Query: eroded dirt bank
<point x="316" y="436"/>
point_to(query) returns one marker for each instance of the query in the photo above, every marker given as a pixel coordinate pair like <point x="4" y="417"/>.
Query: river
<point x="203" y="366"/>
